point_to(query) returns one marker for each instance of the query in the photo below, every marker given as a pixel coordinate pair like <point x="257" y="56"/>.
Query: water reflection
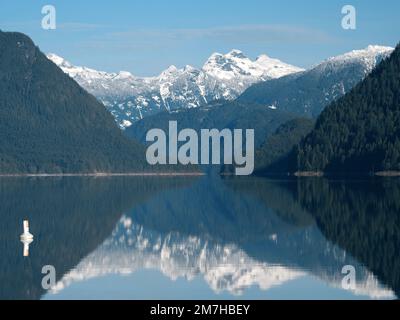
<point x="70" y="217"/>
<point x="362" y="217"/>
<point x="234" y="234"/>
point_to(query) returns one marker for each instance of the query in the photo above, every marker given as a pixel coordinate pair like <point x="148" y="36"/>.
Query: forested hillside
<point x="276" y="155"/>
<point x="359" y="133"/>
<point x="49" y="124"/>
<point x="219" y="115"/>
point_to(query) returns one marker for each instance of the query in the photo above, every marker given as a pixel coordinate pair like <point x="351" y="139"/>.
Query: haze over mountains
<point x="130" y="98"/>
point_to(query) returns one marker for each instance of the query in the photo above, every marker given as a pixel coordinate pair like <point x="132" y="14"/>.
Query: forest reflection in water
<point x="232" y="233"/>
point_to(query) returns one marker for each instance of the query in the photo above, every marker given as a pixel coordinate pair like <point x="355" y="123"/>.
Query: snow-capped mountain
<point x="130" y="98"/>
<point x="236" y="65"/>
<point x="309" y="92"/>
<point x="269" y="104"/>
<point x="227" y="77"/>
<point x="369" y="57"/>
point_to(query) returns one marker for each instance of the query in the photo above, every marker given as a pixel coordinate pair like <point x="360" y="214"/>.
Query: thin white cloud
<point x="79" y="26"/>
<point x="63" y="26"/>
<point x="235" y="35"/>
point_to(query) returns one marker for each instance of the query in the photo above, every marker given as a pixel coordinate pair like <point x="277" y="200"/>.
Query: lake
<point x="200" y="238"/>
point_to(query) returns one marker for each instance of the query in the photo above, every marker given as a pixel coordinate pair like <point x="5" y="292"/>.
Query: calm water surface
<point x="200" y="238"/>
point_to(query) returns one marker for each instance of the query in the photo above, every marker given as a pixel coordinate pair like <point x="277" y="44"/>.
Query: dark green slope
<point x="48" y="123"/>
<point x="276" y="155"/>
<point x="359" y="133"/>
<point x="219" y="115"/>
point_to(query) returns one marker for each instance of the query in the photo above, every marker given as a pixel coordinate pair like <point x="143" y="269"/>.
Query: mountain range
<point x="61" y="128"/>
<point x="267" y="105"/>
<point x="308" y="93"/>
<point x="264" y="81"/>
<point x="130" y="98"/>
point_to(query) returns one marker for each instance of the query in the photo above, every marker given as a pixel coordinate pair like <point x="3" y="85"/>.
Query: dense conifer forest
<point x="49" y="124"/>
<point x="360" y="132"/>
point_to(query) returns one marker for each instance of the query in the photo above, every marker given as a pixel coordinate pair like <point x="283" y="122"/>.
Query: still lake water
<point x="200" y="238"/>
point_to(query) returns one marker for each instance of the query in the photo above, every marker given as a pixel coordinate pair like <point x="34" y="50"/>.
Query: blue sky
<point x="146" y="36"/>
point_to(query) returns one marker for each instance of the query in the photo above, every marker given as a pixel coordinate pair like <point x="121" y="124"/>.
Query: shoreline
<point x="327" y="174"/>
<point x="298" y="174"/>
<point x="309" y="174"/>
<point x="387" y="174"/>
<point x="101" y="175"/>
<point x="320" y="174"/>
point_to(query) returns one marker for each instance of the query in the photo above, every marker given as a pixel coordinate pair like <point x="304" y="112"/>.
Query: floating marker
<point x="26" y="238"/>
<point x="26" y="234"/>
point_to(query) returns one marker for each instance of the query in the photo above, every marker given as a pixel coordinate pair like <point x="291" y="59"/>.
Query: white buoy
<point x="26" y="238"/>
<point x="26" y="234"/>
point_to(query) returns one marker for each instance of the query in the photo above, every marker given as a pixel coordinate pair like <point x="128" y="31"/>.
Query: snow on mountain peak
<point x="371" y="50"/>
<point x="235" y="64"/>
<point x="79" y="72"/>
<point x="130" y="98"/>
<point x="235" y="53"/>
<point x="124" y="75"/>
<point x="223" y="77"/>
<point x="55" y="58"/>
<point x="59" y="61"/>
<point x="274" y="67"/>
<point x="171" y="69"/>
<point x="189" y="68"/>
<point x="379" y="48"/>
<point x="370" y="56"/>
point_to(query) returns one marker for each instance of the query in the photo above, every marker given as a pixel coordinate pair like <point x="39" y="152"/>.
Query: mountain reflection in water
<point x="233" y="234"/>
